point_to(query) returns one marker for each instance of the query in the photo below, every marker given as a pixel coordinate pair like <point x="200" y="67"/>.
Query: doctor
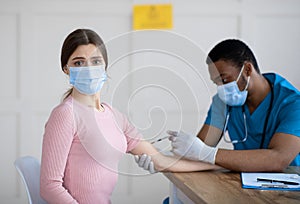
<point x="261" y="113"/>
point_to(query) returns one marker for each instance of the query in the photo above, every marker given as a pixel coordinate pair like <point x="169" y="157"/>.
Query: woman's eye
<point x="79" y="63"/>
<point x="97" y="62"/>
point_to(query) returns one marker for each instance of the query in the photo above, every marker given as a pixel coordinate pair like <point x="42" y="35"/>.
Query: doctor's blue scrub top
<point x="284" y="116"/>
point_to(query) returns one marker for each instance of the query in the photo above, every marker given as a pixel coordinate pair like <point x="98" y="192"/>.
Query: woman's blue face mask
<point x="230" y="93"/>
<point x="88" y="80"/>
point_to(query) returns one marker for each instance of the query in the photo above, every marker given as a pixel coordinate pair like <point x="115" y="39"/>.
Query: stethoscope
<point x="245" y="121"/>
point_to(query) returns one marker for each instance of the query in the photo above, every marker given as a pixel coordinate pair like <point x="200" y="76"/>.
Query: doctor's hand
<point x="144" y="161"/>
<point x="191" y="147"/>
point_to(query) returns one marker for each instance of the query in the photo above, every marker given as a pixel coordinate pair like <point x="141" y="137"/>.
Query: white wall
<point x="158" y="78"/>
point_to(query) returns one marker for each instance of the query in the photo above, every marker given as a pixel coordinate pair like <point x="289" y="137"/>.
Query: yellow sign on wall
<point x="152" y="16"/>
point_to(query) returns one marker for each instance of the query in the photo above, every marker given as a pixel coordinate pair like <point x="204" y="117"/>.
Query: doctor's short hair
<point x="234" y="51"/>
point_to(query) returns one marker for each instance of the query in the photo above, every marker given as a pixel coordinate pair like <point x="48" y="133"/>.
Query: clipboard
<point x="270" y="181"/>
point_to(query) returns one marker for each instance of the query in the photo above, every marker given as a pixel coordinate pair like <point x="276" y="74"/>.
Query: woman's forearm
<point x="170" y="163"/>
<point x="177" y="164"/>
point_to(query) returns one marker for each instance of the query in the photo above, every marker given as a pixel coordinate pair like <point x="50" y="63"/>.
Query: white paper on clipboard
<point x="249" y="180"/>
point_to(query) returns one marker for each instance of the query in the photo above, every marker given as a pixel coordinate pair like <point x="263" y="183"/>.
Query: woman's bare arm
<point x="171" y="163"/>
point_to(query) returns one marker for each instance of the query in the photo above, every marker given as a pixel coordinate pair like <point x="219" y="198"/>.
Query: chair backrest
<point x="29" y="170"/>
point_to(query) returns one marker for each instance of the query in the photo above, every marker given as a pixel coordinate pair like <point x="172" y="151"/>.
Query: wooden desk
<point x="225" y="187"/>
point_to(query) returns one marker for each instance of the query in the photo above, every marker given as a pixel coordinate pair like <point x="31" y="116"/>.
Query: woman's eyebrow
<point x="97" y="57"/>
<point x="77" y="58"/>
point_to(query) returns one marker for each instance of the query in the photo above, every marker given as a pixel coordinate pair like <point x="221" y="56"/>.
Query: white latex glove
<point x="145" y="162"/>
<point x="191" y="147"/>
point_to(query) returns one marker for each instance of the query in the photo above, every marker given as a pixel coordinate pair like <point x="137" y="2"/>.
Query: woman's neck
<point x="88" y="100"/>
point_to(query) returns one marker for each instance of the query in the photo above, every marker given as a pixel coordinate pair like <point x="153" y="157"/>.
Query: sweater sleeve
<point x="133" y="136"/>
<point x="58" y="137"/>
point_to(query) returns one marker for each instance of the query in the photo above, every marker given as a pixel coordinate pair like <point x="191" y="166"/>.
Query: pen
<point x="163" y="138"/>
<point x="273" y="186"/>
<point x="278" y="181"/>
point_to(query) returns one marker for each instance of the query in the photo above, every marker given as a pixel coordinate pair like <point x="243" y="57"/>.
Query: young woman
<point x="84" y="139"/>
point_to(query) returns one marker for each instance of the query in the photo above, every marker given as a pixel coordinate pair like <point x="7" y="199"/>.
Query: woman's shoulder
<point x="64" y="107"/>
<point x="118" y="115"/>
<point x="109" y="107"/>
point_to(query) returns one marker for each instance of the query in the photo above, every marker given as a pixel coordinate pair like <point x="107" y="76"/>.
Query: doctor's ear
<point x="248" y="68"/>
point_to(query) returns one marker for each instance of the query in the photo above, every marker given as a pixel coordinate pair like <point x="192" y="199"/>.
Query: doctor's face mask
<point x="230" y="93"/>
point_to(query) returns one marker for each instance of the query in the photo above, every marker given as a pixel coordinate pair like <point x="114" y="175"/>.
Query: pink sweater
<point x="81" y="151"/>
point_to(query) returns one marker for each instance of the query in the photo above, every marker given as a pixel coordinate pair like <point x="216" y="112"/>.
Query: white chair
<point x="29" y="170"/>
